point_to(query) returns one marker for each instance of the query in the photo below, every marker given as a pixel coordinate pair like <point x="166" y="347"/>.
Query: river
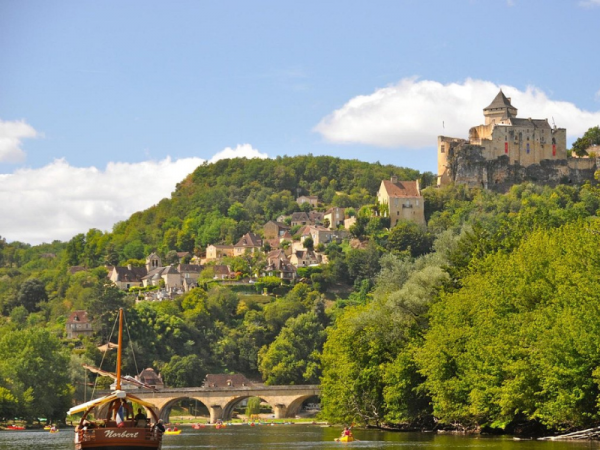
<point x="305" y="437"/>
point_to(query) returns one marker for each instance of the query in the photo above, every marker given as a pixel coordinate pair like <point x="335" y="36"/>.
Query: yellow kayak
<point x="345" y="439"/>
<point x="173" y="432"/>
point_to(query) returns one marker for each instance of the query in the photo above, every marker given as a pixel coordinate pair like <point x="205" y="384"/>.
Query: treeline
<point x="496" y="327"/>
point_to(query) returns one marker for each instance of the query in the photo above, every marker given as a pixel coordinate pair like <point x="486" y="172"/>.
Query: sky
<point x="106" y="105"/>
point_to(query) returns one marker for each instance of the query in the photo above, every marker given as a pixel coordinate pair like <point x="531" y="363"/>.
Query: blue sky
<point x="99" y="97"/>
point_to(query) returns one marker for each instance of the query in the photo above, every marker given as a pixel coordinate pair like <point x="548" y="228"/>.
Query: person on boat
<point x="140" y="415"/>
<point x="346" y="432"/>
<point x="160" y="426"/>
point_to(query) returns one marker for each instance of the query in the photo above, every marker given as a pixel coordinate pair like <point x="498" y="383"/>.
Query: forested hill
<point x="486" y="317"/>
<point x="220" y="202"/>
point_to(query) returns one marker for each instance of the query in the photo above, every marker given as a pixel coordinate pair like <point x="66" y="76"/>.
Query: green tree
<point x="186" y="371"/>
<point x="31" y="294"/>
<point x="293" y="357"/>
<point x="407" y="236"/>
<point x="253" y="406"/>
<point x="589" y="138"/>
<point x="28" y="363"/>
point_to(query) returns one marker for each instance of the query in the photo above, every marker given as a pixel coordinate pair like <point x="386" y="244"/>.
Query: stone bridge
<point x="286" y="401"/>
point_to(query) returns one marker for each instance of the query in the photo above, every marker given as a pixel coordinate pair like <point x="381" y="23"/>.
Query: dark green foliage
<point x="186" y="371"/>
<point x="589" y="138"/>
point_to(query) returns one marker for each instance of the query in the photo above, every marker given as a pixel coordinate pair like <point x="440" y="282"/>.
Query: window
<point x="443" y="148"/>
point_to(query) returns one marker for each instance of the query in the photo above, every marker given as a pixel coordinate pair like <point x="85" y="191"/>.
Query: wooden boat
<point x="112" y="428"/>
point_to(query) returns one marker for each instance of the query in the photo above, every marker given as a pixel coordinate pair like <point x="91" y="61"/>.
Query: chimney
<point x="129" y="266"/>
<point x="394" y="179"/>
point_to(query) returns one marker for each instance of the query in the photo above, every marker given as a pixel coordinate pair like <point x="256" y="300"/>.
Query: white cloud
<point x="589" y="3"/>
<point x="241" y="151"/>
<point x="58" y="201"/>
<point x="11" y="135"/>
<point x="414" y="112"/>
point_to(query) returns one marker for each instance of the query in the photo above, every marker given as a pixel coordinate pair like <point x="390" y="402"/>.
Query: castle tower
<point x="500" y="109"/>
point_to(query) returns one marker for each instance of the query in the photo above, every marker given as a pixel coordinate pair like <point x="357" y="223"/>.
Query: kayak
<point x="173" y="432"/>
<point x="345" y="439"/>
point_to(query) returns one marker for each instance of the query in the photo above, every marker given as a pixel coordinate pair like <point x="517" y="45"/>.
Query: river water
<point x="305" y="437"/>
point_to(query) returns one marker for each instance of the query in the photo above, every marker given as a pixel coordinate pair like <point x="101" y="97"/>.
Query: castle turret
<point x="499" y="110"/>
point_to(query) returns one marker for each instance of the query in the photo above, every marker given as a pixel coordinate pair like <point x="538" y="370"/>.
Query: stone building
<point x="508" y="150"/>
<point x="404" y="200"/>
<point x="78" y="324"/>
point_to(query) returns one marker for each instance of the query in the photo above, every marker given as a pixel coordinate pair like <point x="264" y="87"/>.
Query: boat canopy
<point x="109" y="398"/>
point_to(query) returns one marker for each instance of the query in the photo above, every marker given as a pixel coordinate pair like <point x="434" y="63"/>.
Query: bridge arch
<point x="228" y="408"/>
<point x="164" y="412"/>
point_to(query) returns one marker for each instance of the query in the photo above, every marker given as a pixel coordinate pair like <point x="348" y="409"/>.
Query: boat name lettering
<point x="122" y="434"/>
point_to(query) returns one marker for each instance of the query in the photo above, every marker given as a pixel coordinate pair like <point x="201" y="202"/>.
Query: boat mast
<point x="119" y="349"/>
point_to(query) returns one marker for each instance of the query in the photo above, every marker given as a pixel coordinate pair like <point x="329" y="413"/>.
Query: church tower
<point x="499" y="110"/>
<point x="153" y="262"/>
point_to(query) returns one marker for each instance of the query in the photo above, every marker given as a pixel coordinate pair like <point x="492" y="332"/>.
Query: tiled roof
<point x="135" y="274"/>
<point x="249" y="240"/>
<point x="300" y="217"/>
<point x="402" y="188"/>
<point x="190" y="268"/>
<point x="226" y="379"/>
<point x="78" y="316"/>
<point x="536" y="123"/>
<point x="221" y="269"/>
<point x="501" y="101"/>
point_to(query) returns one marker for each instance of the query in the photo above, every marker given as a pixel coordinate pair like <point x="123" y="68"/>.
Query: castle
<point x="507" y="150"/>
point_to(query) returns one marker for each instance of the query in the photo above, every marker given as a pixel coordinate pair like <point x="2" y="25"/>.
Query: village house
<point x="404" y="200"/>
<point x="222" y="272"/>
<point x="150" y="378"/>
<point x="127" y="277"/>
<point x="180" y="278"/>
<point x="300" y="218"/>
<point x="319" y="234"/>
<point x="313" y="200"/>
<point x="335" y="217"/>
<point x="78" y="325"/>
<point x="214" y="252"/>
<point x="305" y="258"/>
<point x="274" y="230"/>
<point x="279" y="265"/>
<point x="316" y="217"/>
<point x="227" y="380"/>
<point x="249" y="243"/>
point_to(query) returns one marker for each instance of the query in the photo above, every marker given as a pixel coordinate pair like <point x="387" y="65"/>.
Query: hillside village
<point x="281" y="252"/>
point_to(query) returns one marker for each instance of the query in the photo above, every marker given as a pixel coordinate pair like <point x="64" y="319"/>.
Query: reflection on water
<point x="283" y="437"/>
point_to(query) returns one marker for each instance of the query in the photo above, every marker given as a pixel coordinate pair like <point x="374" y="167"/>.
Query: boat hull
<point x="118" y="439"/>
